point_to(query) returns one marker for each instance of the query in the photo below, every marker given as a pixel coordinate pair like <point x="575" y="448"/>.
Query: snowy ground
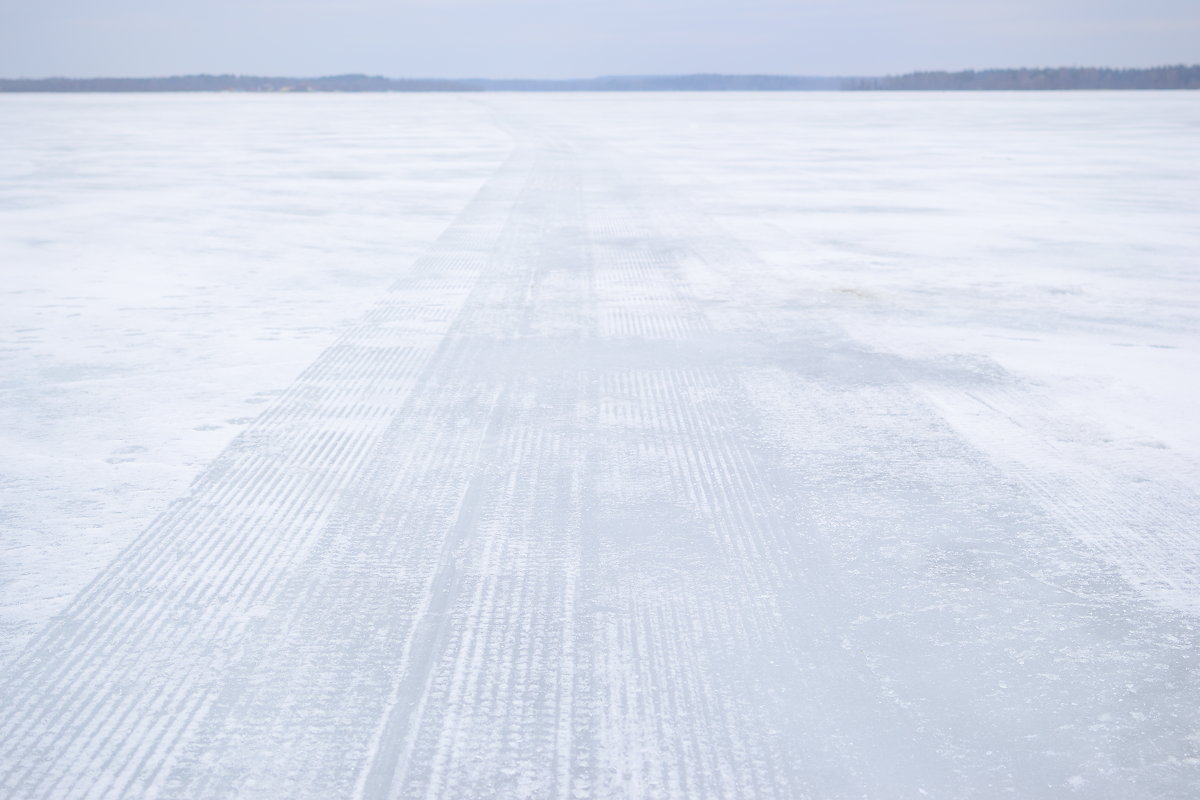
<point x="818" y="445"/>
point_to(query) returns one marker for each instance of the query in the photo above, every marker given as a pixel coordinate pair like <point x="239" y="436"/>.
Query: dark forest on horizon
<point x="1045" y="79"/>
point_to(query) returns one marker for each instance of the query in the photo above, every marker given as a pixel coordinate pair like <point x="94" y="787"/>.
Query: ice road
<point x="655" y="446"/>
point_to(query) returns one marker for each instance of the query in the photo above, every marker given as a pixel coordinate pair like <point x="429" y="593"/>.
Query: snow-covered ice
<point x="615" y="446"/>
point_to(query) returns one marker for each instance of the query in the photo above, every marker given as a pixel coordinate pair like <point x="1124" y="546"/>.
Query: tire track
<point x="686" y="423"/>
<point x="376" y="589"/>
<point x="939" y="625"/>
<point x="177" y="588"/>
<point x="490" y="693"/>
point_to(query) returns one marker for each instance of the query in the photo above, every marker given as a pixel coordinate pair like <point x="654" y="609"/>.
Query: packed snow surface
<point x="600" y="446"/>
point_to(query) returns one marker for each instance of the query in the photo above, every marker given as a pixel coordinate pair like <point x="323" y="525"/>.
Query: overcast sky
<point x="584" y="38"/>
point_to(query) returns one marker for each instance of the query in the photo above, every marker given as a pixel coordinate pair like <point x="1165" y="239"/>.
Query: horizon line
<point x="1172" y="77"/>
<point x="610" y="76"/>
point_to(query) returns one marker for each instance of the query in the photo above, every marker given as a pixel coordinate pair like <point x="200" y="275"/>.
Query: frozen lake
<point x="614" y="446"/>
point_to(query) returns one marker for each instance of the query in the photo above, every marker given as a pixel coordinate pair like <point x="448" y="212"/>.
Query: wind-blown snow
<point x="599" y="446"/>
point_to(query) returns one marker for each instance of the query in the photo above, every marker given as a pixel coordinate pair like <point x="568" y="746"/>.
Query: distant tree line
<point x="1059" y="78"/>
<point x="1171" y="77"/>
<point x="376" y="83"/>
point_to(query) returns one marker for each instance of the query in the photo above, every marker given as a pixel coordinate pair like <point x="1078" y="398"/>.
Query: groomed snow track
<point x="578" y="510"/>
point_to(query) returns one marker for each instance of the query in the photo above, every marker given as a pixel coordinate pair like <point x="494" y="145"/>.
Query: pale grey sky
<point x="584" y="38"/>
